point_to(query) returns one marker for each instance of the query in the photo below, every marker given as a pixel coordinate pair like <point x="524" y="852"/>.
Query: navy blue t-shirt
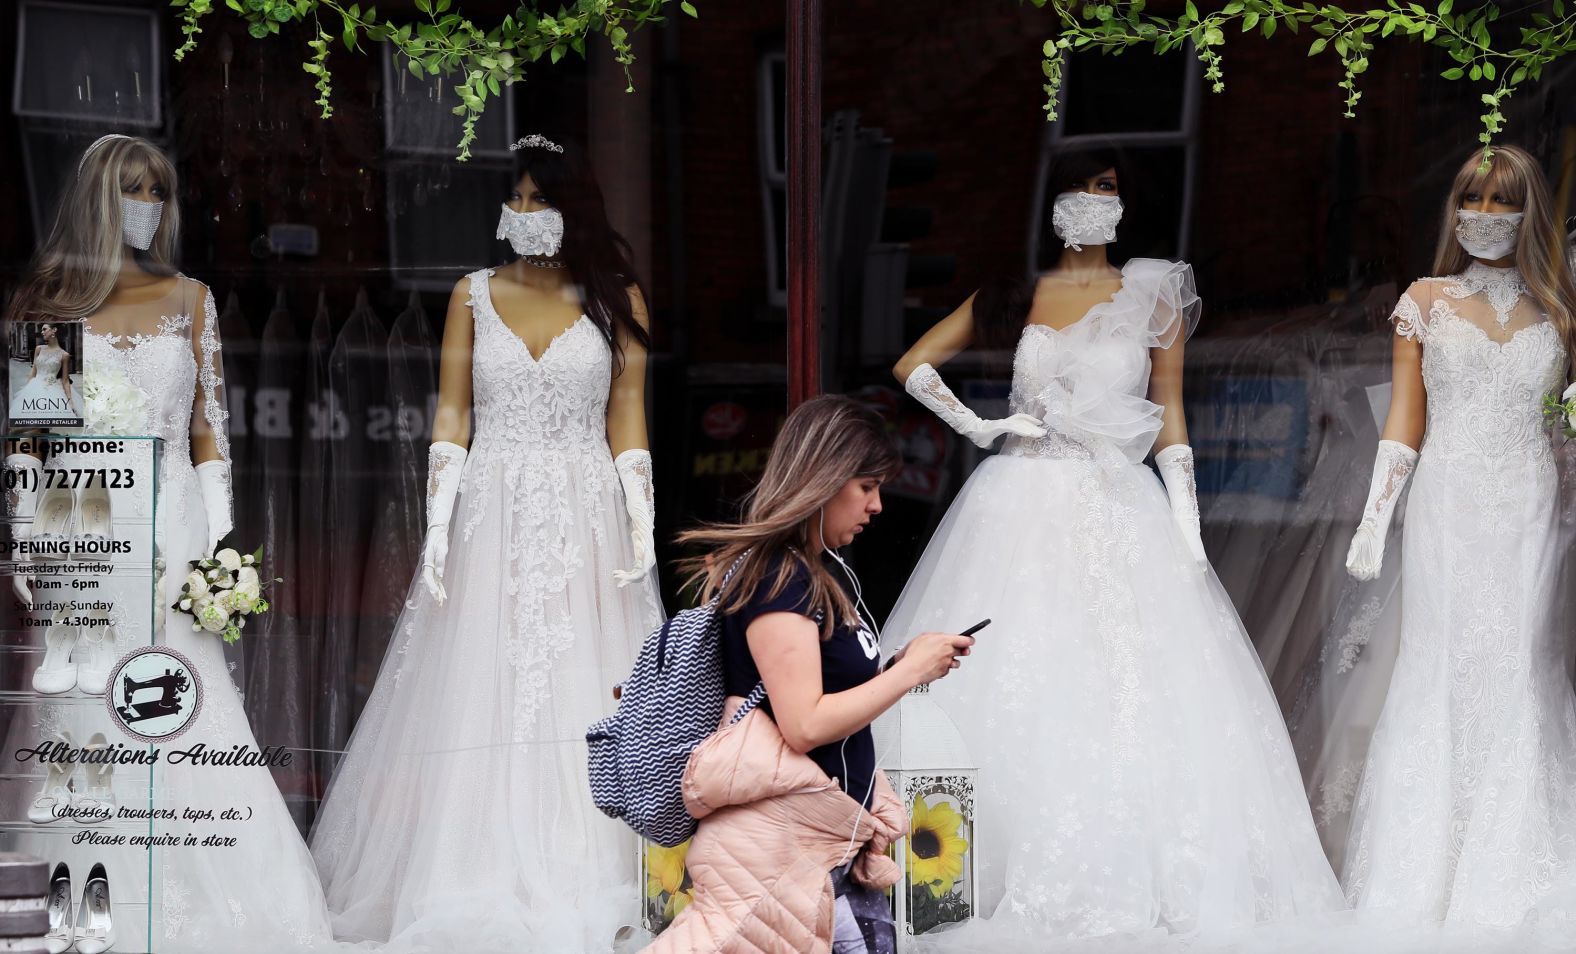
<point x="850" y="657"/>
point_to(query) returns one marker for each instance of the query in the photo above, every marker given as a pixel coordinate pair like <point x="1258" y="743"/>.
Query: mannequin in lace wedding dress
<point x="1134" y="773"/>
<point x="459" y="818"/>
<point x="1466" y="812"/>
<point x="159" y="332"/>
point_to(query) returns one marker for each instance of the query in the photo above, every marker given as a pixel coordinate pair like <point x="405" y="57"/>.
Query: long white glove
<point x="928" y="389"/>
<point x="213" y="480"/>
<point x="1176" y="469"/>
<point x="1393" y="467"/>
<point x="445" y="463"/>
<point x="27" y="478"/>
<point x="634" y="474"/>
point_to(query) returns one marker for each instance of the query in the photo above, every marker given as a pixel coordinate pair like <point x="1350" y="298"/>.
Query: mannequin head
<point x="1094" y="169"/>
<point x="596" y="256"/>
<point x="1514" y="182"/>
<point x="75" y="269"/>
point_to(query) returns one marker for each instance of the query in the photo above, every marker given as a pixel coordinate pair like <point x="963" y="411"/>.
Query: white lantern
<point x="931" y="772"/>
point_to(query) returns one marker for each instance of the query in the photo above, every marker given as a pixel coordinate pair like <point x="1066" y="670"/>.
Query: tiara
<point x="96" y="143"/>
<point x="538" y="141"/>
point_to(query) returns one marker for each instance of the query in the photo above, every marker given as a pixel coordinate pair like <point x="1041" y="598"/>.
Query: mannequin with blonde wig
<point x="1461" y="805"/>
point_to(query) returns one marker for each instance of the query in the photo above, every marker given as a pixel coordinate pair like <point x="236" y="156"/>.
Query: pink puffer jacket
<point x="773" y="826"/>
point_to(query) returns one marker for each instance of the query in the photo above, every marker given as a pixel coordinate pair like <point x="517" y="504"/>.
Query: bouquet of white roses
<point x="1563" y="410"/>
<point x="223" y="591"/>
<point x="112" y="403"/>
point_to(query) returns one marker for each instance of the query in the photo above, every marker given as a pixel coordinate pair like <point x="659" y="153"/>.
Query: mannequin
<point x="1121" y="690"/>
<point x="466" y="768"/>
<point x="1466" y="811"/>
<point x="109" y="261"/>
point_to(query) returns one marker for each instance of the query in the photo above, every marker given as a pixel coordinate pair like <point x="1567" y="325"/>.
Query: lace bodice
<point x="541" y="446"/>
<point x="46" y="367"/>
<point x="1088" y="382"/>
<point x="1489" y="357"/>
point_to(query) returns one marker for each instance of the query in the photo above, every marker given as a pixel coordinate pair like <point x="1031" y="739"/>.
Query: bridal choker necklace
<point x="1502" y="286"/>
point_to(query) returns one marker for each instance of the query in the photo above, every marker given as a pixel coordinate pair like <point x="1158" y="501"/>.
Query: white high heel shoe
<point x="57" y="673"/>
<point x="95" y="927"/>
<point x="94" y="802"/>
<point x="54" y="522"/>
<point x="56" y="792"/>
<point x="62" y="929"/>
<point x="95" y="657"/>
<point x="95" y="527"/>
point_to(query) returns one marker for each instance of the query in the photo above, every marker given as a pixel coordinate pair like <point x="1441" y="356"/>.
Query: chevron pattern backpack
<point x="669" y="704"/>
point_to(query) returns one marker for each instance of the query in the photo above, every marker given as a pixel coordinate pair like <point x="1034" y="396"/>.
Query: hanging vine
<point x="444" y="42"/>
<point x="1112" y="26"/>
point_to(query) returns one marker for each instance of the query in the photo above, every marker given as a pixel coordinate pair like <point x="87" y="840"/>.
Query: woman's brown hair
<point x="824" y="443"/>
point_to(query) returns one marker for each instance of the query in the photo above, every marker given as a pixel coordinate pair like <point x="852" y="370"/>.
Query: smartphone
<point x="975" y="628"/>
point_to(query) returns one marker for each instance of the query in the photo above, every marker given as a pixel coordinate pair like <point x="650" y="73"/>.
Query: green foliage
<point x="444" y="42"/>
<point x="1112" y="26"/>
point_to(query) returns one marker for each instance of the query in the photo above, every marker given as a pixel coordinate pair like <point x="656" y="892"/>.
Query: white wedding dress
<point x="460" y="818"/>
<point x="262" y="894"/>
<point x="44" y="395"/>
<point x="1467" y="808"/>
<point x="1135" y="776"/>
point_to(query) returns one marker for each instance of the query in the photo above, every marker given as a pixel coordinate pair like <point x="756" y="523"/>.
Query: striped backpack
<point x="669" y="704"/>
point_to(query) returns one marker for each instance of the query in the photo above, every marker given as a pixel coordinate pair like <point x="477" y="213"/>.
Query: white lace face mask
<point x="1488" y="235"/>
<point x="1084" y="218"/>
<point x="139" y="222"/>
<point x="532" y="233"/>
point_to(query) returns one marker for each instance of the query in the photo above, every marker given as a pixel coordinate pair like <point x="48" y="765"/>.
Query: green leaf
<point x="1477" y="72"/>
<point x="415" y="67"/>
<point x="1249" y="22"/>
<point x="1444" y="7"/>
<point x="1318" y="46"/>
<point x="234" y="5"/>
<point x="443" y="5"/>
<point x="1489" y="70"/>
<point x="1269" y="27"/>
<point x="425" y="6"/>
<point x="1192" y="11"/>
<point x="257" y="29"/>
<point x="558" y="54"/>
<point x="1517" y="76"/>
<point x="1454" y="73"/>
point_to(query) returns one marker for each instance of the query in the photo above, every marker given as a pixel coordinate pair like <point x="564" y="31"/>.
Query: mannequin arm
<point x="1408" y="398"/>
<point x="941" y="343"/>
<point x="1165" y="389"/>
<point x="626" y="399"/>
<point x="452" y="422"/>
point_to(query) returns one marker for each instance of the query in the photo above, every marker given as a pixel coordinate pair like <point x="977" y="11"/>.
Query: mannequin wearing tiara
<point x="1134" y="773"/>
<point x="109" y="262"/>
<point x="459" y="816"/>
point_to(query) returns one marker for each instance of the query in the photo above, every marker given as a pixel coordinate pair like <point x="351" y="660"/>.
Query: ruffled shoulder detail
<point x="1158" y="300"/>
<point x="477" y="281"/>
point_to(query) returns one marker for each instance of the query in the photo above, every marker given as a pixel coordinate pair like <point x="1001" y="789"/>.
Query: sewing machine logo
<point x="154" y="693"/>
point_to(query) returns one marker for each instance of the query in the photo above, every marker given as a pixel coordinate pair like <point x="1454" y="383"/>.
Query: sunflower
<point x="665" y="875"/>
<point x="936" y="846"/>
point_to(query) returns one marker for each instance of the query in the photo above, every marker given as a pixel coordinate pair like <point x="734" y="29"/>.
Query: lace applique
<point x="210" y="375"/>
<point x="1357" y="635"/>
<point x="1502" y="286"/>
<point x="1408" y="318"/>
<point x="541" y="443"/>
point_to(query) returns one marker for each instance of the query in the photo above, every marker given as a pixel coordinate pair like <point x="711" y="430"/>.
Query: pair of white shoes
<point x="92" y="931"/>
<point x="85" y="788"/>
<point x="73" y="517"/>
<point x="92" y="644"/>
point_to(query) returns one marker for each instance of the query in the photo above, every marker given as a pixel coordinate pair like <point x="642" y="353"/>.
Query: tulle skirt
<point x="460" y="817"/>
<point x="1135" y="776"/>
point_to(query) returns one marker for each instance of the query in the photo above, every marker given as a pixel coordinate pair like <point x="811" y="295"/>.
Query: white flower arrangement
<point x="223" y="591"/>
<point x="1563" y="410"/>
<point x="112" y="404"/>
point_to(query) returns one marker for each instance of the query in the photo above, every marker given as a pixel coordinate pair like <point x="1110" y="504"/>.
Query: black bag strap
<point x="751" y="701"/>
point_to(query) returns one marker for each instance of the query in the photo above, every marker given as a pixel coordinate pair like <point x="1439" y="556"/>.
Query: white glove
<point x="27" y="479"/>
<point x="928" y="389"/>
<point x="213" y="480"/>
<point x="634" y="474"/>
<point x="445" y="463"/>
<point x="1176" y="469"/>
<point x="1393" y="467"/>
